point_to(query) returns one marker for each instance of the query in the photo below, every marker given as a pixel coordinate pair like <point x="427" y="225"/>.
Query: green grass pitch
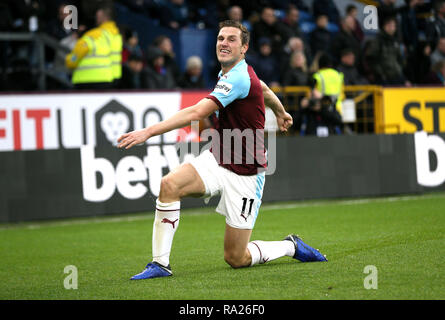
<point x="403" y="237"/>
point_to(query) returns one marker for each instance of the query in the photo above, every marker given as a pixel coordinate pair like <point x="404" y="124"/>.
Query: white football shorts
<point x="240" y="195"/>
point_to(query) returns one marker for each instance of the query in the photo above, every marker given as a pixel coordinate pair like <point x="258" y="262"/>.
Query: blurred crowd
<point x="408" y="48"/>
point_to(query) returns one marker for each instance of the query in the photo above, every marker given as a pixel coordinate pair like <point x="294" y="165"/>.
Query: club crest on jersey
<point x="223" y="87"/>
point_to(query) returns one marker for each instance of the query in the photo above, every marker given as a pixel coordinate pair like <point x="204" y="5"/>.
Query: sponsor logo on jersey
<point x="223" y="87"/>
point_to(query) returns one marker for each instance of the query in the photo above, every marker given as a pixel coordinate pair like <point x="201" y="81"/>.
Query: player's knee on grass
<point x="236" y="260"/>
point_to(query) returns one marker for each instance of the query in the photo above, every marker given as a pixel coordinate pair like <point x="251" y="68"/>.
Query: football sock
<point x="264" y="251"/>
<point x="164" y="227"/>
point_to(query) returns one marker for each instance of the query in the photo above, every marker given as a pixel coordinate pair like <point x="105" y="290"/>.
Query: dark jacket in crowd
<point x="351" y="75"/>
<point x="320" y="40"/>
<point x="418" y="64"/>
<point x="130" y="79"/>
<point x="295" y="77"/>
<point x="276" y="33"/>
<point x="409" y="28"/>
<point x="435" y="29"/>
<point x="342" y="41"/>
<point x="385" y="58"/>
<point x="291" y="30"/>
<point x="265" y="66"/>
<point x="157" y="77"/>
<point x="189" y="82"/>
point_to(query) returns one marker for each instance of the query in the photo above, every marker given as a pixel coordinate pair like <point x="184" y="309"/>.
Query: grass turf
<point x="402" y="237"/>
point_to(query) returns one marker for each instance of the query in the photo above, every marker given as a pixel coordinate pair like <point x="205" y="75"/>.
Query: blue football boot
<point x="153" y="270"/>
<point x="303" y="252"/>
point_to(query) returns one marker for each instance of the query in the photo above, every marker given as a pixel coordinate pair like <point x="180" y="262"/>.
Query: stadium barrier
<point x="57" y="158"/>
<point x="38" y="42"/>
<point x="376" y="109"/>
<point x="358" y="106"/>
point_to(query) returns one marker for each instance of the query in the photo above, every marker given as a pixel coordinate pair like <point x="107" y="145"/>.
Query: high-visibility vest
<point x="330" y="83"/>
<point x="96" y="65"/>
<point x="115" y="39"/>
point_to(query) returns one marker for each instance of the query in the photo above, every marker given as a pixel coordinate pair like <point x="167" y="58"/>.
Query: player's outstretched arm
<point x="284" y="119"/>
<point x="181" y="119"/>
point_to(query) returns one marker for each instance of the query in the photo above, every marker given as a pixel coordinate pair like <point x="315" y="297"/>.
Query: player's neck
<point x="228" y="67"/>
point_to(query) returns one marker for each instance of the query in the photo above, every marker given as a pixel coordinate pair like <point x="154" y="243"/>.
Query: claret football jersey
<point x="240" y="121"/>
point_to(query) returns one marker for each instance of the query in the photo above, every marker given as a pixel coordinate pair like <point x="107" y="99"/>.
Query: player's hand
<point x="130" y="139"/>
<point x="284" y="122"/>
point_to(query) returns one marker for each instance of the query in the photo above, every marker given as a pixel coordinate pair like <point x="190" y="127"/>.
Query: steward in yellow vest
<point x="96" y="57"/>
<point x="329" y="82"/>
<point x="112" y="32"/>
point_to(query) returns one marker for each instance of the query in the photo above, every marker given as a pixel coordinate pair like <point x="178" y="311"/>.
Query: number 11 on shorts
<point x="243" y="210"/>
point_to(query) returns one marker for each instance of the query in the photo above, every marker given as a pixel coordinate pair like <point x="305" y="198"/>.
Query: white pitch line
<point x="264" y="207"/>
<point x="346" y="202"/>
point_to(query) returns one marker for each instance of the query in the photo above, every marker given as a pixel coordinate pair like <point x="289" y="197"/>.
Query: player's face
<point x="229" y="48"/>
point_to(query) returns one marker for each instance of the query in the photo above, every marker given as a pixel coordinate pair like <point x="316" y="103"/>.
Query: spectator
<point x="320" y="37"/>
<point x="345" y="39"/>
<point x="291" y="23"/>
<point x="105" y="16"/>
<point x="265" y="63"/>
<point x="192" y="77"/>
<point x="326" y="8"/>
<point x="328" y="81"/>
<point x="347" y="66"/>
<point x="387" y="9"/>
<point x="203" y="14"/>
<point x="251" y="9"/>
<point x="132" y="72"/>
<point x="437" y="74"/>
<point x="69" y="42"/>
<point x="293" y="44"/>
<point x="409" y="28"/>
<point x="268" y="27"/>
<point x="235" y="13"/>
<point x="318" y="116"/>
<point x="436" y="27"/>
<point x="351" y="10"/>
<point x="131" y="44"/>
<point x="92" y="57"/>
<point x="67" y="37"/>
<point x="156" y="75"/>
<point x="55" y="27"/>
<point x="296" y="74"/>
<point x="419" y="63"/>
<point x="174" y="14"/>
<point x="165" y="44"/>
<point x="439" y="53"/>
<point x="385" y="57"/>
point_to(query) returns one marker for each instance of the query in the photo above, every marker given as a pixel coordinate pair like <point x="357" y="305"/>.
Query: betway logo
<point x="223" y="87"/>
<point x="129" y="174"/>
<point x="100" y="178"/>
<point x="426" y="145"/>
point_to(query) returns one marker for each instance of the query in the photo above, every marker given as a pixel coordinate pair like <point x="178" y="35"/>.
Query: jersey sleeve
<point x="232" y="86"/>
